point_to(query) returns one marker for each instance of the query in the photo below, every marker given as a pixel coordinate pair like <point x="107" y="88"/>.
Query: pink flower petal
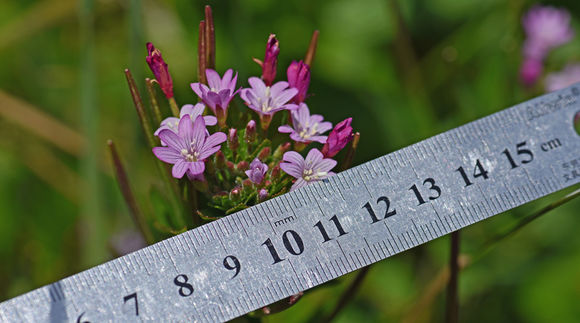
<point x="210" y="120"/>
<point x="213" y="79"/>
<point x="186" y="109"/>
<point x="320" y="139"/>
<point x="278" y="87"/>
<point x="298" y="184"/>
<point x="198" y="88"/>
<point x="293" y="157"/>
<point x="285" y="96"/>
<point x="197" y="110"/>
<point x="325" y="165"/>
<point x="167" y="154"/>
<point x="225" y="82"/>
<point x="324" y="127"/>
<point x="172" y="139"/>
<point x="285" y="129"/>
<point x="257" y="84"/>
<point x="292" y="169"/>
<point x="196" y="168"/>
<point x="314" y="157"/>
<point x="179" y="169"/>
<point x="198" y="133"/>
<point x="185" y="128"/>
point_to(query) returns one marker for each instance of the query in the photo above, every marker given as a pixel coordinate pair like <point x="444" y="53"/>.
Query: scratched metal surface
<point x="144" y="286"/>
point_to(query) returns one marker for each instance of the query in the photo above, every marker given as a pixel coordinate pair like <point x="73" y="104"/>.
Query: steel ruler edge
<point x="304" y="238"/>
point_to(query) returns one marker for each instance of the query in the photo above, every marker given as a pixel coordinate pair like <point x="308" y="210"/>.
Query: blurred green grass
<point x="404" y="70"/>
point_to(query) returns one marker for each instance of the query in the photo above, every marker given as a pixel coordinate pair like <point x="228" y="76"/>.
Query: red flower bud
<point x="160" y="70"/>
<point x="247" y="183"/>
<point x="220" y="160"/>
<point x="275" y="172"/>
<point x="338" y="138"/>
<point x="243" y="166"/>
<point x="233" y="142"/>
<point x="270" y="60"/>
<point x="250" y="131"/>
<point x="262" y="195"/>
<point x="264" y="153"/>
<point x="279" y="152"/>
<point x="299" y="78"/>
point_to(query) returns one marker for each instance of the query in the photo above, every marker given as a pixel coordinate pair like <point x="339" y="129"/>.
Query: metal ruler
<point x="294" y="242"/>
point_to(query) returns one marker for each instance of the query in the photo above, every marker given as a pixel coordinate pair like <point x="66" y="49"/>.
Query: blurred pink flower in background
<point x="566" y="77"/>
<point x="546" y="28"/>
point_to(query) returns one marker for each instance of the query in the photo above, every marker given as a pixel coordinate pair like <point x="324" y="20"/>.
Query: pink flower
<point x="546" y="28"/>
<point x="568" y="76"/>
<point x="268" y="100"/>
<point x="262" y="194"/>
<point x="160" y="70"/>
<point x="188" y="149"/>
<point x="314" y="168"/>
<point x="270" y="60"/>
<point x="307" y="127"/>
<point x="338" y="138"/>
<point x="299" y="78"/>
<point x="219" y="93"/>
<point x="257" y="171"/>
<point x="172" y="123"/>
<point x="530" y="71"/>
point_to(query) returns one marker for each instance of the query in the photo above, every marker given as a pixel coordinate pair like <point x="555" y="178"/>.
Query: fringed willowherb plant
<point x="236" y="146"/>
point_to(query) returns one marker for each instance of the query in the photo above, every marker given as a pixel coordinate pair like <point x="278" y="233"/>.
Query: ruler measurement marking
<point x="541" y="177"/>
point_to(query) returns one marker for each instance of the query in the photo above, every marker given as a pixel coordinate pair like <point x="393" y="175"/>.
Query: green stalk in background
<point x="91" y="224"/>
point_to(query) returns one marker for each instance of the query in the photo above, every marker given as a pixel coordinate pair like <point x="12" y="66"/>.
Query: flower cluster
<point x="546" y="28"/>
<point x="238" y="146"/>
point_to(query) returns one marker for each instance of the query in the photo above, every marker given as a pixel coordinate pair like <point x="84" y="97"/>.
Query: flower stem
<point x="349" y="293"/>
<point x="143" y="117"/>
<point x="153" y="99"/>
<point x="201" y="52"/>
<point x="209" y="38"/>
<point x="347" y="161"/>
<point x="178" y="220"/>
<point x="491" y="243"/>
<point x="432" y="289"/>
<point x="452" y="310"/>
<point x="125" y="188"/>
<point x="174" y="107"/>
<point x="311" y="49"/>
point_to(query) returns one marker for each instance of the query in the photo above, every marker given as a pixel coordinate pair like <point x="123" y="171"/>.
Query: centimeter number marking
<point x="304" y="238"/>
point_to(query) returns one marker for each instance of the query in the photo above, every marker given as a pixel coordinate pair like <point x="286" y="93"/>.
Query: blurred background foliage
<point x="405" y="70"/>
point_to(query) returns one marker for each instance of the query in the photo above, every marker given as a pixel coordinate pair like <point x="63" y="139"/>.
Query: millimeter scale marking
<point x="304" y="238"/>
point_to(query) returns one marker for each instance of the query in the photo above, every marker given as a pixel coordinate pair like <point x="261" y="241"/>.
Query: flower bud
<point x="235" y="194"/>
<point x="338" y="138"/>
<point x="233" y="142"/>
<point x="275" y="173"/>
<point x="299" y="78"/>
<point x="262" y="195"/>
<point x="530" y="71"/>
<point x="243" y="166"/>
<point x="250" y="131"/>
<point x="279" y="152"/>
<point x="220" y="160"/>
<point x="230" y="165"/>
<point x="264" y="153"/>
<point x="160" y="70"/>
<point x="247" y="183"/>
<point x="270" y="60"/>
